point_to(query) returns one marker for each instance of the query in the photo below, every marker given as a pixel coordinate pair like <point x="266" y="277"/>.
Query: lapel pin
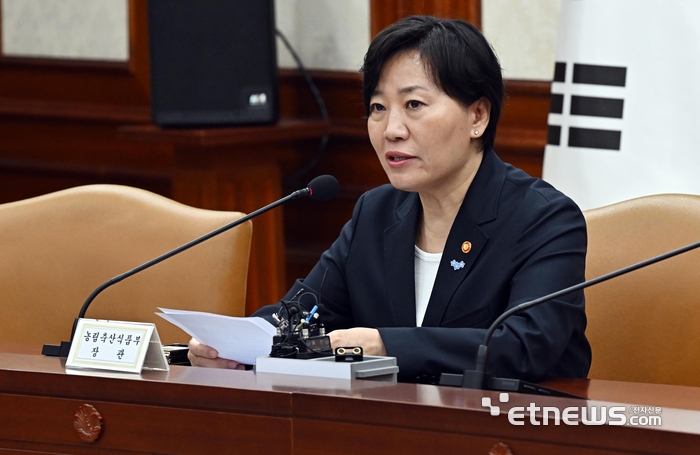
<point x="466" y="247"/>
<point x="457" y="265"/>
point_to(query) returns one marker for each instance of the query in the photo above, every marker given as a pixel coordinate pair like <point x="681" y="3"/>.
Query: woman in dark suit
<point x="427" y="263"/>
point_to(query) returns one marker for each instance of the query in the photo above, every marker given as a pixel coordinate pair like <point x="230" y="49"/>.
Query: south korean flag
<point x="624" y="120"/>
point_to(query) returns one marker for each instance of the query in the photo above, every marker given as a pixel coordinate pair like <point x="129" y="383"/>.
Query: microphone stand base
<point x="53" y="350"/>
<point x="504" y="385"/>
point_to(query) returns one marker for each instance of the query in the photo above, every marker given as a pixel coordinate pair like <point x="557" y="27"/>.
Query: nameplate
<point x="116" y="346"/>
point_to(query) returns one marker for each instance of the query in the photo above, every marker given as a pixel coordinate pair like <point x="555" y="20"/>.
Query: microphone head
<point x="323" y="188"/>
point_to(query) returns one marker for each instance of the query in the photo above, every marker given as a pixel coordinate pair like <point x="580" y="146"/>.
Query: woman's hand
<point x="201" y="355"/>
<point x="369" y="339"/>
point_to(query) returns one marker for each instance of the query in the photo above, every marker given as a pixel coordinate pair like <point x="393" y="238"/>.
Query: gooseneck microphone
<point x="322" y="188"/>
<point x="479" y="379"/>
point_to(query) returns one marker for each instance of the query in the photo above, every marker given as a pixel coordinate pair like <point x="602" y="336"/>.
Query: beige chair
<point x="645" y="326"/>
<point x="57" y="248"/>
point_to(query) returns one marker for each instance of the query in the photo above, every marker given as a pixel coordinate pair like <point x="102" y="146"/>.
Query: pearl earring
<point x="476" y="132"/>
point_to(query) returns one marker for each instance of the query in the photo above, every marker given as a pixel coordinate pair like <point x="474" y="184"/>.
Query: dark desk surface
<point x="196" y="410"/>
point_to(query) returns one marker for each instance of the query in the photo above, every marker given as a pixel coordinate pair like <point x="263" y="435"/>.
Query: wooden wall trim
<point x="49" y="64"/>
<point x="99" y="83"/>
<point x="139" y="60"/>
<point x="68" y="110"/>
<point x="80" y="171"/>
<point x="385" y="12"/>
<point x="342" y="94"/>
<point x="523" y="124"/>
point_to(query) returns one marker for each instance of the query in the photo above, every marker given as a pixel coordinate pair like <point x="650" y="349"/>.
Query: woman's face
<point x="423" y="138"/>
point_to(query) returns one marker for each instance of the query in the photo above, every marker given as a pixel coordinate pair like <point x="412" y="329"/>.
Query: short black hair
<point x="457" y="57"/>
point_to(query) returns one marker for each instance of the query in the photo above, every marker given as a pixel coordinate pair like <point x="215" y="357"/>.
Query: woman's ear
<point x="481" y="114"/>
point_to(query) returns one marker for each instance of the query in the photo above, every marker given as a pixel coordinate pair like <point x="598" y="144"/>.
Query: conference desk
<point x="197" y="410"/>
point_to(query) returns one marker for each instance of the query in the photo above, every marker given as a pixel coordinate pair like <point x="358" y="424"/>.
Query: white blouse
<point x="426" y="269"/>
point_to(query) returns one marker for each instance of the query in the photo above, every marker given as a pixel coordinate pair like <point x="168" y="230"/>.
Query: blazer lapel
<point x="399" y="253"/>
<point x="480" y="205"/>
<point x="454" y="266"/>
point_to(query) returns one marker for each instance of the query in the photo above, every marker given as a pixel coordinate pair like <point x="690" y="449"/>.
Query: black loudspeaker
<point x="213" y="62"/>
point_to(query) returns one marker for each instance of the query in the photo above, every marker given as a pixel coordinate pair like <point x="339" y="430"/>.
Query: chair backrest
<point x="57" y="248"/>
<point x="645" y="326"/>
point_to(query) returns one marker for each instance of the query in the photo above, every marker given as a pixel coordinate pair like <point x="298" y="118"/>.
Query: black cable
<point x="290" y="180"/>
<point x="307" y="293"/>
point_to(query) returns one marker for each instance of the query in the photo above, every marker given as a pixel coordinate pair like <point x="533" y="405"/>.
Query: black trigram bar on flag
<point x="588" y="106"/>
<point x="554" y="134"/>
<point x="600" y="75"/>
<point x="557" y="104"/>
<point x="559" y="72"/>
<point x="596" y="107"/>
<point x="594" y="139"/>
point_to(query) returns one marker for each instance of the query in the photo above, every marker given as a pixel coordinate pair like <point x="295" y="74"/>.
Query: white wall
<point x="327" y="34"/>
<point x="523" y="33"/>
<point x="75" y="29"/>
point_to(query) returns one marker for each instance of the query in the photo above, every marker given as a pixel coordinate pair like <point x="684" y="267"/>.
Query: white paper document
<point x="239" y="339"/>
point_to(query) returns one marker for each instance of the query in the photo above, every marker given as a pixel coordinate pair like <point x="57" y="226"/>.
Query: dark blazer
<point x="527" y="240"/>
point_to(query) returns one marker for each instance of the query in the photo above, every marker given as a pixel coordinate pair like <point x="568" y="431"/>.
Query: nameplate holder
<point x="116" y="346"/>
